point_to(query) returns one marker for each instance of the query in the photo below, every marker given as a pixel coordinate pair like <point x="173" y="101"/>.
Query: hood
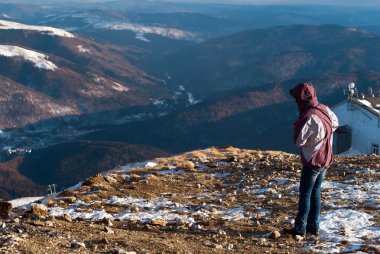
<point x="305" y="96"/>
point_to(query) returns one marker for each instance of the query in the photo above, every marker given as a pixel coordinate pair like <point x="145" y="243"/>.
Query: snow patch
<point x="82" y="49"/>
<point x="94" y="214"/>
<point x="350" y="195"/>
<point x="75" y="187"/>
<point x="191" y="99"/>
<point x="24" y="201"/>
<point x="39" y="59"/>
<point x="119" y="87"/>
<point x="141" y="30"/>
<point x="351" y="152"/>
<point x="9" y="25"/>
<point x="158" y="102"/>
<point x="150" y="165"/>
<point x="348" y="226"/>
<point x="141" y="37"/>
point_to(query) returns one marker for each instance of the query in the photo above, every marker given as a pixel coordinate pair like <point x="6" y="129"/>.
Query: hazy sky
<point x="319" y="2"/>
<point x="366" y="3"/>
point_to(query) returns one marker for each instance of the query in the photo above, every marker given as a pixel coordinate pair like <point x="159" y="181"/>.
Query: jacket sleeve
<point x="311" y="133"/>
<point x="334" y="119"/>
<point x="305" y="133"/>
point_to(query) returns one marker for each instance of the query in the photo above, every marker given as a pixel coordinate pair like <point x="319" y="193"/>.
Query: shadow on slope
<point x="67" y="164"/>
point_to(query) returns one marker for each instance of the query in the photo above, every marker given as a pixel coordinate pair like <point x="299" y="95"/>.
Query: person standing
<point x="313" y="133"/>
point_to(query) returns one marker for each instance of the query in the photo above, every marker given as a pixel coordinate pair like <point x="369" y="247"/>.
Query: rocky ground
<point x="218" y="200"/>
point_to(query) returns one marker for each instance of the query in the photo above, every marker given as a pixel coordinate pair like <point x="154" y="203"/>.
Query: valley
<point x="165" y="78"/>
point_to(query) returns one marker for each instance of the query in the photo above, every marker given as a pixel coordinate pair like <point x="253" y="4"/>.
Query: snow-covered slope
<point x="38" y="59"/>
<point x="88" y="19"/>
<point x="9" y="25"/>
<point x="141" y="30"/>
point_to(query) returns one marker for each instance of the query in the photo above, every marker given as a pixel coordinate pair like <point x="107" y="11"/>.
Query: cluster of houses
<point x="359" y="120"/>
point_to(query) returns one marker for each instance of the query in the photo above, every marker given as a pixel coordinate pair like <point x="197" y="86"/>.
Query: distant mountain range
<point x="257" y="57"/>
<point x="59" y="74"/>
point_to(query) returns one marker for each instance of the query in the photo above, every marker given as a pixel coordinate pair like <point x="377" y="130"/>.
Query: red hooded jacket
<point x="313" y="131"/>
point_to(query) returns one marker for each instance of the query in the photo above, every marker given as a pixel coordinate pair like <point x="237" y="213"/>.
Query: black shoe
<point x="313" y="232"/>
<point x="292" y="231"/>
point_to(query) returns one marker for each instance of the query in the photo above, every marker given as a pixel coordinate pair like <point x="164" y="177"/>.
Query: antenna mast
<point x="351" y="90"/>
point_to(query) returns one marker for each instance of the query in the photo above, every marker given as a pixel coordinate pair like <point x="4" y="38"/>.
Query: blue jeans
<point x="309" y="204"/>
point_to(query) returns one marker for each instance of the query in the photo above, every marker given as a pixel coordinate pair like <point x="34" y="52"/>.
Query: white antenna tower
<point x="351" y="90"/>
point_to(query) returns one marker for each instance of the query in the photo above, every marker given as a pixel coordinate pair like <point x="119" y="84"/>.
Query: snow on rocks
<point x="150" y="164"/>
<point x="351" y="195"/>
<point x="9" y="25"/>
<point x="24" y="202"/>
<point x="38" y="59"/>
<point x="348" y="226"/>
<point x="144" y="211"/>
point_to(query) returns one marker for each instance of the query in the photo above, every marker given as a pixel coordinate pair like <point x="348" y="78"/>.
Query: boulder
<point x="160" y="223"/>
<point x="275" y="234"/>
<point x="39" y="210"/>
<point x="5" y="208"/>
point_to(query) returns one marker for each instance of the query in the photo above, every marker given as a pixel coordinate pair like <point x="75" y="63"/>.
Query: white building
<point x="359" y="131"/>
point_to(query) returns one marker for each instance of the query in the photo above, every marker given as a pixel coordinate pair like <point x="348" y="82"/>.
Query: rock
<point x="257" y="223"/>
<point x="99" y="178"/>
<point x="135" y="209"/>
<point x="51" y="218"/>
<point x="110" y="179"/>
<point x="109" y="230"/>
<point x="218" y="246"/>
<point x="275" y="235"/>
<point x="77" y="245"/>
<point x="366" y="237"/>
<point x="232" y="199"/>
<point x="152" y="177"/>
<point x="181" y="222"/>
<point x="107" y="222"/>
<point x="135" y="177"/>
<point x="299" y="238"/>
<point x="189" y="165"/>
<point x="16" y="220"/>
<point x="196" y="227"/>
<point x="262" y="241"/>
<point x="71" y="199"/>
<point x="50" y="202"/>
<point x="5" y="208"/>
<point x="104" y="241"/>
<point x="38" y="223"/>
<point x="222" y="232"/>
<point x="49" y="223"/>
<point x="160" y="223"/>
<point x="213" y="210"/>
<point x="231" y="159"/>
<point x="39" y="210"/>
<point x="212" y="165"/>
<point x="121" y="251"/>
<point x="67" y="218"/>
